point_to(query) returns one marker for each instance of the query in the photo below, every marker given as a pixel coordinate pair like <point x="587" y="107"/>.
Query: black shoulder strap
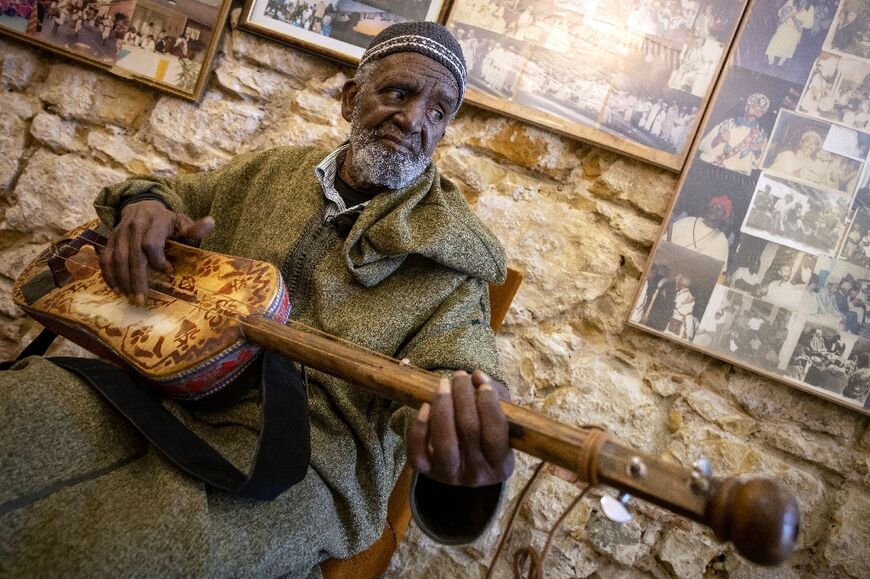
<point x="283" y="451"/>
<point x="37" y="347"/>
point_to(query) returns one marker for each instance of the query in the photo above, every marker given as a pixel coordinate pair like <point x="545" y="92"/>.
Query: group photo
<point x="494" y="61"/>
<point x="797" y="151"/>
<point x="838" y="296"/>
<point x="744" y="329"/>
<point x="642" y="107"/>
<point x="832" y="360"/>
<point x="166" y="41"/>
<point x="839" y="90"/>
<point x="771" y="272"/>
<point x="795" y="214"/>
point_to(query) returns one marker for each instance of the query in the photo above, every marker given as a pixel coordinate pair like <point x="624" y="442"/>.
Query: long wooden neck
<point x="760" y="517"/>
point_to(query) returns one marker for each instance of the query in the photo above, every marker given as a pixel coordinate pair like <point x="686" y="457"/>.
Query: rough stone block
<point x="596" y="392"/>
<point x="55" y="193"/>
<point x="687" y="553"/>
<point x="13" y="138"/>
<point x="204" y="135"/>
<point x="646" y="187"/>
<point x="847" y="547"/>
<point x="568" y="256"/>
<point x="719" y="411"/>
<point x="622" y="542"/>
<point x="248" y="80"/>
<point x="14" y="259"/>
<point x="60" y="135"/>
<point x="730" y="455"/>
<point x="94" y="97"/>
<point x="632" y="226"/>
<point x="818" y="448"/>
<point x="765" y="399"/>
<point x="513" y="142"/>
<point x="137" y="157"/>
<point x="294" y="63"/>
<point x="23" y="105"/>
<point x="21" y="66"/>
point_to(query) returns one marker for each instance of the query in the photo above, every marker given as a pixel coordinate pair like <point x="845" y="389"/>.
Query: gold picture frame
<point x="764" y="257"/>
<point x="166" y="44"/>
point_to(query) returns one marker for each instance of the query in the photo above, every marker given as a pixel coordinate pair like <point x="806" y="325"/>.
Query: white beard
<point x="374" y="163"/>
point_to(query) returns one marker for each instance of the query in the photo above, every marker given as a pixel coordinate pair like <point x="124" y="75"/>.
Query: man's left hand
<point x="461" y="439"/>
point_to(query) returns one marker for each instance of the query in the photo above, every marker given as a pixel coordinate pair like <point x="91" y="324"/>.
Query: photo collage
<point x="165" y="41"/>
<point x="638" y="70"/>
<point x="777" y="201"/>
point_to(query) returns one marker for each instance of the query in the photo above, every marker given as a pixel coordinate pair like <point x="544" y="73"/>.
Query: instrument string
<point x="365" y="353"/>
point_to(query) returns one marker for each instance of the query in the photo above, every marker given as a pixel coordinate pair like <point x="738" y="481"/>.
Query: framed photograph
<point x="775" y="205"/>
<point x="632" y="76"/>
<point x="338" y="29"/>
<point x="166" y="44"/>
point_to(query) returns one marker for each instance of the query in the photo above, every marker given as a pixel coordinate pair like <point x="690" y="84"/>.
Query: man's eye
<point x="396" y="93"/>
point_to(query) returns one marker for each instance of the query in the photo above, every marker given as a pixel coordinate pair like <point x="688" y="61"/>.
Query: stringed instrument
<point x="213" y="307"/>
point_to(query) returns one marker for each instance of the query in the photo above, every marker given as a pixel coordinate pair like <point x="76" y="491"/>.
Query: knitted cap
<point x="427" y="38"/>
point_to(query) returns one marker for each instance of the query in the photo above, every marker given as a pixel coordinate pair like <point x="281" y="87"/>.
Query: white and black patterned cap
<point x="427" y="38"/>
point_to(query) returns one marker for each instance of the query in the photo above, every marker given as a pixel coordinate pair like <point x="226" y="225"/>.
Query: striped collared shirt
<point x="326" y="172"/>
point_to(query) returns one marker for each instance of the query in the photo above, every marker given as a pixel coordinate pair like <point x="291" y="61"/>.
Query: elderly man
<point x="376" y="247"/>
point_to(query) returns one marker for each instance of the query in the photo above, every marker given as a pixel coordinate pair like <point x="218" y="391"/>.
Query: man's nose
<point x="410" y="117"/>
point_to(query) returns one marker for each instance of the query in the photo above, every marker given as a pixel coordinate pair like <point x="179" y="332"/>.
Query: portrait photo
<point x="338" y="29"/>
<point x="168" y="44"/>
<point x="796" y="214"/>
<point x="832" y="360"/>
<point x="856" y="246"/>
<point x="743" y="118"/>
<point x="839" y="90"/>
<point x="744" y="329"/>
<point x="797" y="151"/>
<point x="850" y="33"/>
<point x="769" y="271"/>
<point x="838" y="296"/>
<point x="782" y="38"/>
<point x="709" y="211"/>
<point x="676" y="291"/>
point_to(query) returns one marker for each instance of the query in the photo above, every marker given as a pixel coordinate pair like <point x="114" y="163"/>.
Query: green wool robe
<point x="84" y="495"/>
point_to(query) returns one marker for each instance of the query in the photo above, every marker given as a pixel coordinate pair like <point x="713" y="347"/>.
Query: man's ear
<point x="349" y="92"/>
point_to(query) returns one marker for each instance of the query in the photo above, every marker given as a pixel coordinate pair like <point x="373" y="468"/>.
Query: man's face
<point x="397" y="117"/>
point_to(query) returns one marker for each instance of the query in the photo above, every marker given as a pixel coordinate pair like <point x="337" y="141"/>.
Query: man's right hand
<point x="139" y="240"/>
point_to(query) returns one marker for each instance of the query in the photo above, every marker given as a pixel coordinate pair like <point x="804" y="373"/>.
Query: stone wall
<point x="577" y="220"/>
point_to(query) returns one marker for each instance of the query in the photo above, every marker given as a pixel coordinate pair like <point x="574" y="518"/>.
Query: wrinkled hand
<point x="139" y="240"/>
<point x="462" y="438"/>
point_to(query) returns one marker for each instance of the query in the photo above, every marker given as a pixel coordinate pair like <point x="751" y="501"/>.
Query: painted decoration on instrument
<point x="166" y="44"/>
<point x="338" y="29"/>
<point x="633" y="76"/>
<point x="777" y="192"/>
<point x="186" y="341"/>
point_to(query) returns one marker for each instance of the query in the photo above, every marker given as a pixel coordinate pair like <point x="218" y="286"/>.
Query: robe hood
<point x="430" y="218"/>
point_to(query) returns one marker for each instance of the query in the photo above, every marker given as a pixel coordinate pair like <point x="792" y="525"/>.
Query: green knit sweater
<point x="409" y="280"/>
